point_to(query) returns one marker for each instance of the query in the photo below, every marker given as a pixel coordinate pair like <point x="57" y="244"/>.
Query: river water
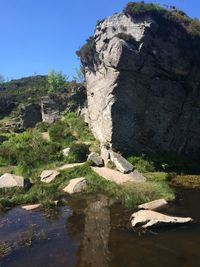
<point x="92" y="233"/>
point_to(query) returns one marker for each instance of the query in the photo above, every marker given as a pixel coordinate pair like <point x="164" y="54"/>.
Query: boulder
<point x="143" y="88"/>
<point x="48" y="175"/>
<point x="76" y="185"/>
<point x="30" y="115"/>
<point x="153" y="204"/>
<point x="149" y="218"/>
<point x="120" y="162"/>
<point x="66" y="151"/>
<point x="95" y="159"/>
<point x="8" y="180"/>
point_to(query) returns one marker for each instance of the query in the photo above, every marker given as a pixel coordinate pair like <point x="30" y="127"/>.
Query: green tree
<point x="57" y="81"/>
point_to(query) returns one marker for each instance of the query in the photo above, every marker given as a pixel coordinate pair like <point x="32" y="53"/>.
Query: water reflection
<point x="93" y="249"/>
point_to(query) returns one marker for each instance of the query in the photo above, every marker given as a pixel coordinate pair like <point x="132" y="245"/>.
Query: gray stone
<point x="95" y="159"/>
<point x="143" y="96"/>
<point x="120" y="162"/>
<point x="76" y="185"/>
<point x="48" y="175"/>
<point x="30" y="115"/>
<point x="149" y="218"/>
<point x="153" y="204"/>
<point x="8" y="180"/>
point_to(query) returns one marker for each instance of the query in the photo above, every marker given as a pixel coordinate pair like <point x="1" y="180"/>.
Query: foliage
<point x="165" y="161"/>
<point x="78" y="153"/>
<point x="28" y="150"/>
<point x="88" y="54"/>
<point x="80" y="128"/>
<point x="60" y="132"/>
<point x="42" y="126"/>
<point x="57" y="81"/>
<point x="110" y="165"/>
<point x="141" y="164"/>
<point x="26" y="90"/>
<point x="171" y="14"/>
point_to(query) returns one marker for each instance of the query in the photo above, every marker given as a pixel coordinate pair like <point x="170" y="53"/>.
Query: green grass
<point x="129" y="194"/>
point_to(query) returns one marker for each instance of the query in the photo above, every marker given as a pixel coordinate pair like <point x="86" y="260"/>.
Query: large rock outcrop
<point x="143" y="85"/>
<point x="54" y="105"/>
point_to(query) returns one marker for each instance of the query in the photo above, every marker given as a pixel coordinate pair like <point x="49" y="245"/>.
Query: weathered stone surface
<point x="149" y="218"/>
<point x="7" y="104"/>
<point x="118" y="177"/>
<point x="95" y="159"/>
<point x="76" y="185"/>
<point x="66" y="151"/>
<point x="137" y="176"/>
<point x="120" y="162"/>
<point x="84" y="113"/>
<point x="51" y="108"/>
<point x="143" y="92"/>
<point x="153" y="204"/>
<point x="8" y="180"/>
<point x="48" y="175"/>
<point x="30" y="115"/>
<point x="54" y="105"/>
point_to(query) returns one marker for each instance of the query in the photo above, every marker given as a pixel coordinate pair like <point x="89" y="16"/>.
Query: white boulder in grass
<point x="48" y="175"/>
<point x="76" y="185"/>
<point x="9" y="180"/>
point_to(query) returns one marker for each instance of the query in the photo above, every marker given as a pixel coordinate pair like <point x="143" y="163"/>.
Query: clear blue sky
<point x="37" y="35"/>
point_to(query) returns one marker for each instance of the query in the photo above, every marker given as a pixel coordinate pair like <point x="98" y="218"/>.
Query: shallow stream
<point x="89" y="232"/>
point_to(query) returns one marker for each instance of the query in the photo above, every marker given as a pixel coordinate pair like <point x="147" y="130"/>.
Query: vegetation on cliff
<point x="171" y="14"/>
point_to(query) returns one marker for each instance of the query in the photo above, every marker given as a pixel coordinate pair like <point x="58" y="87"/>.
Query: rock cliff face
<point x="143" y="85"/>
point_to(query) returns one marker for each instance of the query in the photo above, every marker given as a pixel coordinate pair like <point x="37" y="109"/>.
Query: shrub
<point x="79" y="126"/>
<point x="78" y="153"/>
<point x="88" y="54"/>
<point x="137" y="9"/>
<point x="28" y="150"/>
<point x="142" y="164"/>
<point x="60" y="132"/>
<point x="42" y="126"/>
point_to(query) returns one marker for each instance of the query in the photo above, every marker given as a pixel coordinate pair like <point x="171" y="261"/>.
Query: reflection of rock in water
<point x="94" y="246"/>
